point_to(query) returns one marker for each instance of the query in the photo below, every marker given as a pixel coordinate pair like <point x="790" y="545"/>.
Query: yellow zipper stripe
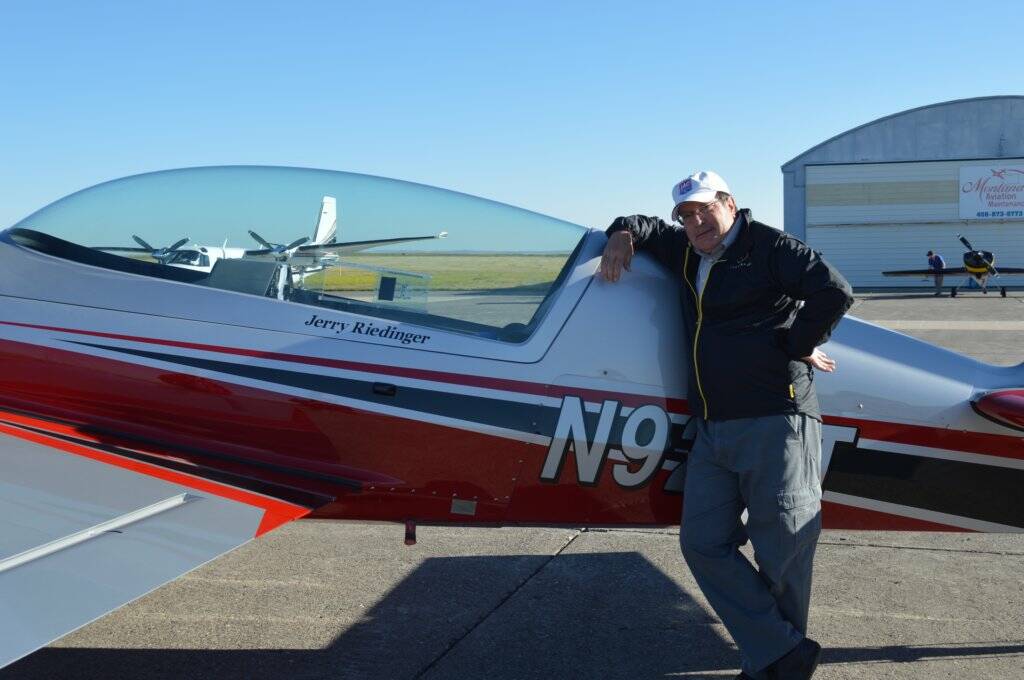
<point x="686" y="261"/>
<point x="700" y="318"/>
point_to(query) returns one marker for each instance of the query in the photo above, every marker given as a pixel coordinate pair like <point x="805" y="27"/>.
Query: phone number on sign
<point x="1000" y="213"/>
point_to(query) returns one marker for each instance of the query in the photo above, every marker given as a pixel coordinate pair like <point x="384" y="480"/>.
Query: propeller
<point x="160" y="254"/>
<point x="967" y="244"/>
<point x="278" y="249"/>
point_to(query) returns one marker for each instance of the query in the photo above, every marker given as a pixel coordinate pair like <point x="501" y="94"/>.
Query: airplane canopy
<point x="212" y="205"/>
<point x="353" y="243"/>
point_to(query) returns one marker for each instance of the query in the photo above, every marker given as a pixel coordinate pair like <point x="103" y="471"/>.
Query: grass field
<point x="447" y="272"/>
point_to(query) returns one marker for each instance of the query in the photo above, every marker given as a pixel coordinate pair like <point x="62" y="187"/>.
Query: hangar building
<point x="879" y="196"/>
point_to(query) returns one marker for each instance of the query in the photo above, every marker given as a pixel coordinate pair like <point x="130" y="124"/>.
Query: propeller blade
<point x="178" y="244"/>
<point x="967" y="244"/>
<point x="259" y="239"/>
<point x="138" y="239"/>
<point x="296" y="243"/>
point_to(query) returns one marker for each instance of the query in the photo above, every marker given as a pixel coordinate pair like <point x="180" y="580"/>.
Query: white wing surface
<point x="84" y="530"/>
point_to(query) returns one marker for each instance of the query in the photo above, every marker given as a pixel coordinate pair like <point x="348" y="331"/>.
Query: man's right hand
<point x="618" y="254"/>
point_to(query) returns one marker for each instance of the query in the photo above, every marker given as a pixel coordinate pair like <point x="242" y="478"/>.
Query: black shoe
<point x="799" y="663"/>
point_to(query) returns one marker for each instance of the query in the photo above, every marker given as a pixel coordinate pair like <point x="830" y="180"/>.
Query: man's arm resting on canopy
<point x="640" y="232"/>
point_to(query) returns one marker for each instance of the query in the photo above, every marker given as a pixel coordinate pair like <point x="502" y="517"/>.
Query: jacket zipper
<point x="700" y="317"/>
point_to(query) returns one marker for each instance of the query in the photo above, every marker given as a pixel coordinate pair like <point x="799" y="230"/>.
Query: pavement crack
<point x="846" y="544"/>
<point x="508" y="596"/>
<point x="653" y="531"/>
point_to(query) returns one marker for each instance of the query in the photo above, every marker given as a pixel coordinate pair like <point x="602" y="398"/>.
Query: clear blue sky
<point x="581" y="110"/>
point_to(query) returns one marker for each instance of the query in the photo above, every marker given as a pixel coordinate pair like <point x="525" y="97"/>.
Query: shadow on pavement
<point x="911" y="653"/>
<point x="333" y="662"/>
<point x="603" y="615"/>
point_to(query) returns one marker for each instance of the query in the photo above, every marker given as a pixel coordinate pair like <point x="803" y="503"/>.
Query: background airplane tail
<point x="327" y="223"/>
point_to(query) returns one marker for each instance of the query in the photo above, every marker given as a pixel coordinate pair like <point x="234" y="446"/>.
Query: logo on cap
<point x="684" y="186"/>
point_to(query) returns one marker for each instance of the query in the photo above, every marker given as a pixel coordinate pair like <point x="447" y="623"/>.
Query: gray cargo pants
<point x="770" y="467"/>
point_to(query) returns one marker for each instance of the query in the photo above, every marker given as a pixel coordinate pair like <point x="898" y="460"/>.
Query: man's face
<point x="706" y="223"/>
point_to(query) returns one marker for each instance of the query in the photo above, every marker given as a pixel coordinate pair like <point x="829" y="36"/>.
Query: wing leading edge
<point x="84" y="531"/>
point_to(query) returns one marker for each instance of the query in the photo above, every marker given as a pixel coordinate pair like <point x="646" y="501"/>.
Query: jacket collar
<point x="741" y="244"/>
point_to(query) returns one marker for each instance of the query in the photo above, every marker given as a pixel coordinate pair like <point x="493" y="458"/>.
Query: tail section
<point x="327" y="224"/>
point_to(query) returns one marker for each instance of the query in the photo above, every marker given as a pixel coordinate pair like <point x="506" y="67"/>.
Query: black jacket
<point x="747" y="332"/>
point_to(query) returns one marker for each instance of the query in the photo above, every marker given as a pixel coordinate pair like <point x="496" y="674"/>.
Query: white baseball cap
<point x="701" y="186"/>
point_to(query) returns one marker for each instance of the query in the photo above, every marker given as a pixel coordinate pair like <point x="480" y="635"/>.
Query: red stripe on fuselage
<point x="842" y="516"/>
<point x="504" y="384"/>
<point x="417" y="467"/>
<point x="935" y="437"/>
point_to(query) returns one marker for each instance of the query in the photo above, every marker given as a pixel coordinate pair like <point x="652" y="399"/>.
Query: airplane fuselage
<point x="458" y="428"/>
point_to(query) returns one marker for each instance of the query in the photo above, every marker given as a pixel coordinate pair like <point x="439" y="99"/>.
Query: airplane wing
<point x="308" y="255"/>
<point x="1009" y="270"/>
<point x="87" y="526"/>
<point x="117" y="250"/>
<point x="925" y="272"/>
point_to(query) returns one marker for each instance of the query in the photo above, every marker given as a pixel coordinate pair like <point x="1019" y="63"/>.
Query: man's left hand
<point x="820" y="361"/>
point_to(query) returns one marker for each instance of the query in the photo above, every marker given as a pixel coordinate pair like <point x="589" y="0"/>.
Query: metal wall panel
<point x="894" y="172"/>
<point x="885" y="213"/>
<point x="881" y="193"/>
<point x="862" y="252"/>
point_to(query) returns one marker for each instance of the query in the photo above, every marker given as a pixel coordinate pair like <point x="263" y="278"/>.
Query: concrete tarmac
<point x="347" y="600"/>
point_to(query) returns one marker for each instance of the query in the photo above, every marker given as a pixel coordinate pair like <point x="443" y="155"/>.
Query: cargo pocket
<point x="799" y="518"/>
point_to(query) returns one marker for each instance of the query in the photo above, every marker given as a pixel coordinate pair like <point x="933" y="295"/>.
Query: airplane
<point x="303" y="254"/>
<point x="979" y="265"/>
<point x="153" y="418"/>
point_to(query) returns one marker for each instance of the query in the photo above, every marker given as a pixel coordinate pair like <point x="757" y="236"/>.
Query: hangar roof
<point x="982" y="127"/>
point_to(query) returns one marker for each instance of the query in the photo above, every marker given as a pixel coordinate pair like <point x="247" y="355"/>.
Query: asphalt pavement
<point x="348" y="600"/>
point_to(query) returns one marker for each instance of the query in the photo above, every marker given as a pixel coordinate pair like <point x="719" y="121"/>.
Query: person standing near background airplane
<point x="936" y="263"/>
<point x="752" y="350"/>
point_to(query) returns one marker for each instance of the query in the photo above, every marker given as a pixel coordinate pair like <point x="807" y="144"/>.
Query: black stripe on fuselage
<point x="510" y="415"/>
<point x="983" y="492"/>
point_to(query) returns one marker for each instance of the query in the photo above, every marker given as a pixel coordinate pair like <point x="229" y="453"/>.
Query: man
<point x="936" y="263"/>
<point x="751" y="350"/>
